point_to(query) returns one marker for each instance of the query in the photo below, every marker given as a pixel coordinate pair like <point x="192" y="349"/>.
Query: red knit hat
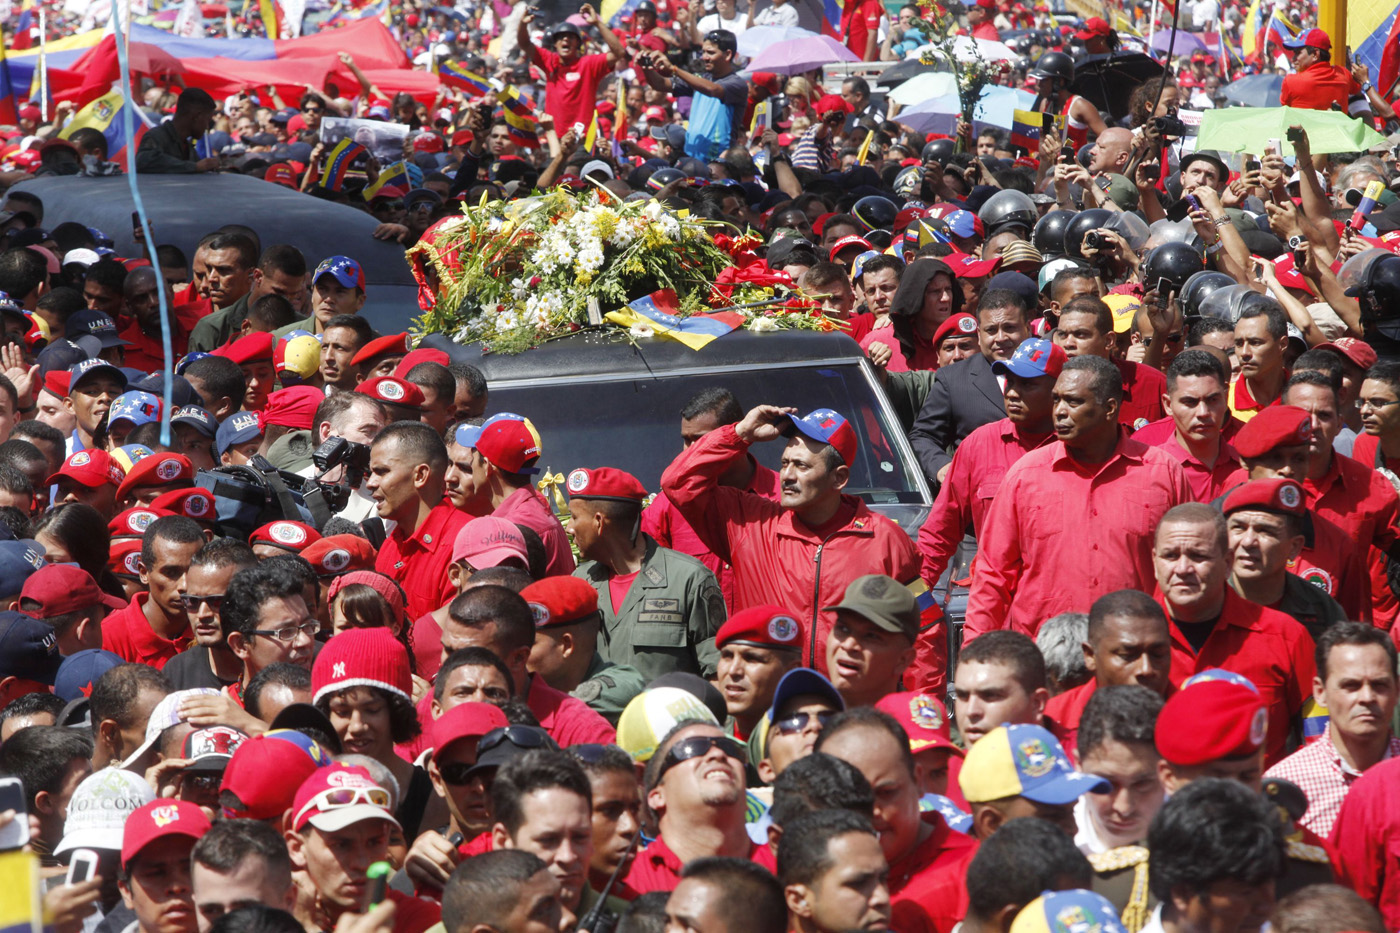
<point x="1209" y="720"/>
<point x="362" y="657"/>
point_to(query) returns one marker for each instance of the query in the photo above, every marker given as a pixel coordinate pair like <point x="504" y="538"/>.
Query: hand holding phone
<point x="14" y="834"/>
<point x="81" y="867"/>
<point x="378" y="874"/>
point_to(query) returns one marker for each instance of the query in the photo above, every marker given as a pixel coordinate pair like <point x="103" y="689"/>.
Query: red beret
<point x="1275" y="426"/>
<point x="339" y="554"/>
<point x="124" y="557"/>
<point x="133" y="523"/>
<point x="560" y="600"/>
<point x="163" y="469"/>
<point x="393" y="391"/>
<point x="766" y="626"/>
<point x="289" y="536"/>
<point x="250" y="349"/>
<point x="605" y="483"/>
<point x="56" y="382"/>
<point x="463" y="721"/>
<point x="192" y="502"/>
<point x="394" y="343"/>
<point x="959" y="325"/>
<point x="422" y="355"/>
<point x="1267" y="495"/>
<point x="1209" y="720"/>
<point x="293" y="407"/>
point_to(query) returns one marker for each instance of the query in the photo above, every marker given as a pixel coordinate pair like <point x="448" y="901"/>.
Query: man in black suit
<point x="967" y="394"/>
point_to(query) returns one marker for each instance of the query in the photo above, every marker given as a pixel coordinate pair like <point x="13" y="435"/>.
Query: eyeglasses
<point x="191" y="602"/>
<point x="457" y="773"/>
<point x="1172" y="339"/>
<point x="520" y="736"/>
<point x="798" y="722"/>
<point x="698" y="746"/>
<point x="1375" y="403"/>
<point x="288" y="633"/>
<point x="313" y="110"/>
<point x="337" y="797"/>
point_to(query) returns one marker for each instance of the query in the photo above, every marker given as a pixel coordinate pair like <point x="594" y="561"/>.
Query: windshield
<point x="634" y="424"/>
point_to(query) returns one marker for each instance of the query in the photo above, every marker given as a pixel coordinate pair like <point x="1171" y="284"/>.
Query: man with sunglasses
<point x="803" y="703"/>
<point x="695" y="786"/>
<point x="209" y="662"/>
<point x="265" y="619"/>
<point x="339" y="826"/>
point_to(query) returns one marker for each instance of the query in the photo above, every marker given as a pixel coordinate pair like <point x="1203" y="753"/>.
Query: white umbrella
<point x="755" y="40"/>
<point x="967" y="49"/>
<point x="940" y="114"/>
<point x="924" y="87"/>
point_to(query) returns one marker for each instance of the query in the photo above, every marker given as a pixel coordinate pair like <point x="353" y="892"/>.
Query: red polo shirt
<point x="858" y="21"/>
<point x="1206" y="482"/>
<point x="1269" y="647"/>
<point x="657" y="868"/>
<point x="928" y="887"/>
<point x="527" y="507"/>
<point x="128" y="634"/>
<point x="418" y="562"/>
<point x="1318" y="87"/>
<point x="567" y="719"/>
<point x="1143" y="388"/>
<point x="146" y="352"/>
<point x="1066" y="709"/>
<point x="1243" y="405"/>
<point x="1364" y="505"/>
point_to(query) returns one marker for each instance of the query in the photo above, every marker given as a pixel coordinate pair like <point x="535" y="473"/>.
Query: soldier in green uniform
<point x="661" y="609"/>
<point x="565" y="652"/>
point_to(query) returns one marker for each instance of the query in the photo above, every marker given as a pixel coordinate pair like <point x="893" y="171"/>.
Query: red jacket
<point x="776" y="558"/>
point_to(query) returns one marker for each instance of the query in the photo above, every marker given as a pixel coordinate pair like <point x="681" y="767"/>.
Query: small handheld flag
<point x="338" y="163"/>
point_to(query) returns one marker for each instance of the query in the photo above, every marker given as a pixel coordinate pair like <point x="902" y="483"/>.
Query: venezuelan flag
<point x="19" y="893"/>
<point x="659" y="311"/>
<point x="9" y="106"/>
<point x="1026" y="127"/>
<point x="520" y="117"/>
<point x="453" y="74"/>
<point x="392" y="182"/>
<point x="1315" y="717"/>
<point x="271" y="17"/>
<point x="24" y="28"/>
<point x="1252" y="29"/>
<point x="105" y="115"/>
<point x="338" y="163"/>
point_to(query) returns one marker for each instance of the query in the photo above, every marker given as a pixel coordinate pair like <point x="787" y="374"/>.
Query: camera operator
<point x="358" y="419"/>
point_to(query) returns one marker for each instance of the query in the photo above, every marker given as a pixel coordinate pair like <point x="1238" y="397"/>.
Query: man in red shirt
<point x="153" y="628"/>
<point x="1035" y="561"/>
<point x="1316" y="83"/>
<point x="406" y="467"/>
<point x="928" y="860"/>
<point x="145" y="349"/>
<point x="1086" y="328"/>
<point x="1128" y="642"/>
<point x="1261" y="338"/>
<point x="979" y="20"/>
<point x="803" y="551"/>
<point x="981" y="461"/>
<point x="1195" y="431"/>
<point x="571" y="79"/>
<point x="695" y="786"/>
<point x="860" y="28"/>
<point x="1212" y="626"/>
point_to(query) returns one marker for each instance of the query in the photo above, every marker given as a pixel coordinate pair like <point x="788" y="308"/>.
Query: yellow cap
<point x="301" y="356"/>
<point x="1124" y="308"/>
<point x="652" y="714"/>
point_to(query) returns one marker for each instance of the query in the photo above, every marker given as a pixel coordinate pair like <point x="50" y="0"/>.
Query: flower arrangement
<point x="509" y="274"/>
<point x="974" y="72"/>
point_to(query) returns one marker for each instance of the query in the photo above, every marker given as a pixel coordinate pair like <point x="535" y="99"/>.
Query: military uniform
<point x="608" y="688"/>
<point x="669" y="619"/>
<point x="1310" y="605"/>
<point x="1120" y="875"/>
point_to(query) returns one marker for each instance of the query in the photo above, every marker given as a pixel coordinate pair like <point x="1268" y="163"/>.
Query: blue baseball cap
<point x="237" y="428"/>
<point x="1309" y="39"/>
<point x="19" y="560"/>
<point x="962" y="223"/>
<point x="80" y="371"/>
<point x="80" y="671"/>
<point x="858" y="265"/>
<point x="137" y="407"/>
<point x="803" y="681"/>
<point x="181" y="392"/>
<point x="952" y="814"/>
<point x="28" y="647"/>
<point x="1023" y="760"/>
<point x="468" y="435"/>
<point x="189" y="358"/>
<point x="1074" y="911"/>
<point x="1036" y="357"/>
<point x="1219" y="673"/>
<point x="827" y="427"/>
<point x="94" y="324"/>
<point x="197" y="418"/>
<point x="345" y="270"/>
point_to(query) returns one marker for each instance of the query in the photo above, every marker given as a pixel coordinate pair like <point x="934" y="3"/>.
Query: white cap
<point x="597" y="165"/>
<point x="84" y="256"/>
<point x="98" y="809"/>
<point x="165" y="715"/>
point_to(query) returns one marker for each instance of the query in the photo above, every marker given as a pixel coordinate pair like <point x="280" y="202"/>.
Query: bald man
<point x="1111" y="151"/>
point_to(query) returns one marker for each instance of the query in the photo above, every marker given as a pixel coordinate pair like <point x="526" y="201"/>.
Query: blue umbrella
<point x="940" y="114"/>
<point x="759" y="38"/>
<point x="1255" y="91"/>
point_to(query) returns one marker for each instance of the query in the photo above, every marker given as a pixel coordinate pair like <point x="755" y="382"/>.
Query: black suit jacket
<point x="964" y="397"/>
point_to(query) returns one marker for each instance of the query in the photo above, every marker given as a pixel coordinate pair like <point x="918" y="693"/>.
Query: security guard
<point x="661" y="609"/>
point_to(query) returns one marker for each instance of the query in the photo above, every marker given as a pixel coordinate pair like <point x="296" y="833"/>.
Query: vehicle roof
<point x="605" y="354"/>
<point x="183" y="208"/>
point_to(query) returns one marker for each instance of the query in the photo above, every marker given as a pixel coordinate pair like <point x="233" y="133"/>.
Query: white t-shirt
<point x="709" y="23"/>
<point x="1204" y="14"/>
<point x="785" y="15"/>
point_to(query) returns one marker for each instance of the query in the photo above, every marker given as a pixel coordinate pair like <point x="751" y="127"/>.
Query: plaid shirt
<point x="1319" y="770"/>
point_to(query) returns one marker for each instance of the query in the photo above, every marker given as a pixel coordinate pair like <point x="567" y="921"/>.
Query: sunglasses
<point x="798" y="722"/>
<point x="458" y="773"/>
<point x="191" y="603"/>
<point x="519" y="736"/>
<point x="697" y="746"/>
<point x="337" y="797"/>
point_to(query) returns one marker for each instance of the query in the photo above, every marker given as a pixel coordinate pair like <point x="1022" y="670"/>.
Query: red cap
<point x="266" y="770"/>
<point x="560" y="600"/>
<point x="394" y="343"/>
<point x="908" y="214"/>
<point x="1210" y="720"/>
<point x="510" y="445"/>
<point x="56" y="382"/>
<point x="1093" y="26"/>
<point x="1267" y="495"/>
<point x="1309" y="39"/>
<point x="1275" y="426"/>
<point x="158" y="819"/>
<point x="422" y="355"/>
<point x="391" y="591"/>
<point x="466" y="720"/>
<point x="767" y="80"/>
<point x="288" y="536"/>
<point x="293" y="407"/>
<point x="310" y="807"/>
<point x="362" y="657"/>
<point x="191" y="502"/>
<point x="162" y="469"/>
<point x="250" y="349"/>
<point x="923" y="716"/>
<point x="961" y="325"/>
<point x="1357" y="351"/>
<point x="90" y="468"/>
<point x="132" y="523"/>
<point x="281" y="174"/>
<point x="488" y="541"/>
<point x="970" y="267"/>
<point x="829" y="103"/>
<point x="392" y="391"/>
<point x="60" y="589"/>
<point x="654" y="113"/>
<point x="846" y="242"/>
<point x="124" y="558"/>
<point x="427" y="142"/>
<point x="764" y="626"/>
<point x="605" y="483"/>
<point x="339" y="554"/>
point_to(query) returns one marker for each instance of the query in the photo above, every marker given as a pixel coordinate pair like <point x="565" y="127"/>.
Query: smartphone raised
<point x="16" y="833"/>
<point x="1252" y="165"/>
<point x="82" y="866"/>
<point x="378" y="874"/>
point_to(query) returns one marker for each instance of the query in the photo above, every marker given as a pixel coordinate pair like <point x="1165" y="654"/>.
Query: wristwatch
<point x="1296" y="242"/>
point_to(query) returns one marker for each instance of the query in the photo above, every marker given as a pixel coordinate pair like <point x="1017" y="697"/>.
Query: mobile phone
<point x="1252" y="165"/>
<point x="82" y="866"/>
<point x="378" y="874"/>
<point x="1195" y="204"/>
<point x="1294" y="134"/>
<point x="1151" y="172"/>
<point x="16" y="834"/>
<point x="580" y="129"/>
<point x="1274" y="146"/>
<point x="1163" y="287"/>
<point x="1067" y="153"/>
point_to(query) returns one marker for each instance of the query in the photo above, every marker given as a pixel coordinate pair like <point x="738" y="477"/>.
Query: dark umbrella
<point x="898" y="74"/>
<point x="1255" y="91"/>
<point x="1108" y="81"/>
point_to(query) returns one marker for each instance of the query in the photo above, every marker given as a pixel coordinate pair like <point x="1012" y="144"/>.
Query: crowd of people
<point x="294" y="638"/>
